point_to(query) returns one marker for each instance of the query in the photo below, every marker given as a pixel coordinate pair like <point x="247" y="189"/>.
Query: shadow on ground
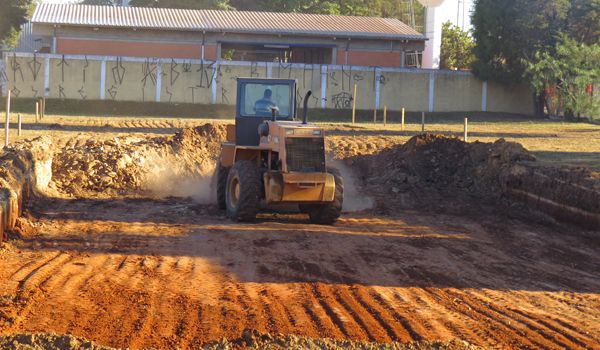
<point x="408" y="249"/>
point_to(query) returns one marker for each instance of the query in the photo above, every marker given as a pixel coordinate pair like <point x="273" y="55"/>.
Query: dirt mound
<point x="445" y="163"/>
<point x="429" y="167"/>
<point x="46" y="341"/>
<point x="131" y="166"/>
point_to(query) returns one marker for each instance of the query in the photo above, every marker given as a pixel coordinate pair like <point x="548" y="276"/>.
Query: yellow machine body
<point x="281" y="183"/>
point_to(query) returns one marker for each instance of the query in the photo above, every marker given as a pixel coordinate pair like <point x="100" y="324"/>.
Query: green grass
<point x="110" y="108"/>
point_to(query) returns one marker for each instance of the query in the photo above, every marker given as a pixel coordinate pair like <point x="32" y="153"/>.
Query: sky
<point x="451" y="10"/>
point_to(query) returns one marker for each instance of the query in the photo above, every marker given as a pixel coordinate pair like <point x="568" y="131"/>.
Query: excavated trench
<point x="427" y="169"/>
<point x="123" y="238"/>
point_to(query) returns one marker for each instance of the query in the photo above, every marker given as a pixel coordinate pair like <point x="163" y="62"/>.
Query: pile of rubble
<point x="249" y="340"/>
<point x="429" y="167"/>
<point x="252" y="339"/>
<point x="130" y="166"/>
<point x="445" y="164"/>
<point x="47" y="341"/>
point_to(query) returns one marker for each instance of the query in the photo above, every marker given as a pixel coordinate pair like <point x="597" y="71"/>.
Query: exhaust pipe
<point x="305" y="106"/>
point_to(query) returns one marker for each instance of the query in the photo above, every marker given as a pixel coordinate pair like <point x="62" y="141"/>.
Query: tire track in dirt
<point x="451" y="320"/>
<point x="119" y="319"/>
<point x="385" y="320"/>
<point x="569" y="333"/>
<point x="228" y="309"/>
<point x="321" y="314"/>
<point x="432" y="327"/>
<point x="254" y="312"/>
<point x="273" y="312"/>
<point x="80" y="273"/>
<point x="144" y="319"/>
<point x="22" y="268"/>
<point x="30" y="288"/>
<point x="287" y="312"/>
<point x="343" y="318"/>
<point x="536" y="334"/>
<point x="474" y="320"/>
<point x="78" y="284"/>
<point x="410" y="333"/>
<point x="360" y="315"/>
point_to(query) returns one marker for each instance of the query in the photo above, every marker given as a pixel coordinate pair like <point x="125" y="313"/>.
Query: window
<point x="276" y="53"/>
<point x="259" y="98"/>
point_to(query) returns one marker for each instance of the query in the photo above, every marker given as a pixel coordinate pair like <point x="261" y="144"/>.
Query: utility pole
<point x="458" y="12"/>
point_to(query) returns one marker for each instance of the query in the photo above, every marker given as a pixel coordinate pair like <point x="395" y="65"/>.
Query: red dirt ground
<point x="170" y="273"/>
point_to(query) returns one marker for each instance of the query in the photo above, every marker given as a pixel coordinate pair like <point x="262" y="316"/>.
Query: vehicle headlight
<point x="316" y="132"/>
<point x="289" y="131"/>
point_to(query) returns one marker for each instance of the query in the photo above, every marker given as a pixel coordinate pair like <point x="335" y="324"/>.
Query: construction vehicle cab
<point x="272" y="157"/>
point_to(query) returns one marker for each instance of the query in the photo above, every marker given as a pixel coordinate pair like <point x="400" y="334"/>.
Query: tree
<point x="570" y="72"/>
<point x="13" y="14"/>
<point x="509" y="34"/>
<point x="584" y="23"/>
<point x="457" y="48"/>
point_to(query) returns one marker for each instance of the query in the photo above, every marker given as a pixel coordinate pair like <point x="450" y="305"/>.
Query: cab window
<point x="259" y="99"/>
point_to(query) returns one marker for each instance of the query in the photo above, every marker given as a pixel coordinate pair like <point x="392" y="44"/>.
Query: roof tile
<point x="224" y="21"/>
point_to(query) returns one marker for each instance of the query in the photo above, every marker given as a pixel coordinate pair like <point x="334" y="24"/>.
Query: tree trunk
<point x="540" y="104"/>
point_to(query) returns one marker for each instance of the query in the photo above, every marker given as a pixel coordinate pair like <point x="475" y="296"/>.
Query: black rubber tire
<point x="328" y="213"/>
<point x="222" y="173"/>
<point x="245" y="206"/>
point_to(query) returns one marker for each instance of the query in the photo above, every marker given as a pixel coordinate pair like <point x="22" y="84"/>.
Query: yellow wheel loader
<point x="271" y="157"/>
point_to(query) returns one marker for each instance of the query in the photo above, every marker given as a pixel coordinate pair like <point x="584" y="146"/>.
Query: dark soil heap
<point x="429" y="168"/>
<point x="446" y="164"/>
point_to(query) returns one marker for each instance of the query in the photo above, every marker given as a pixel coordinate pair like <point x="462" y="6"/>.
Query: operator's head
<point x="268" y="93"/>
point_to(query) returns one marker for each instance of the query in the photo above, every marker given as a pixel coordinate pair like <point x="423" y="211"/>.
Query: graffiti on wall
<point x="61" y="89"/>
<point x="15" y="66"/>
<point x="342" y="86"/>
<point x="149" y="74"/>
<point x="34" y="66"/>
<point x="284" y="70"/>
<point x="255" y="70"/>
<point x="118" y="74"/>
<point x="81" y="90"/>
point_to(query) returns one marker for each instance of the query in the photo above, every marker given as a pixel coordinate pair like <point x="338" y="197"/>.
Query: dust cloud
<point x="354" y="200"/>
<point x="166" y="178"/>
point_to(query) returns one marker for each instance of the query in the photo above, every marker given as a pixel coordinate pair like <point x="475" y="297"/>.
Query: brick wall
<point x="369" y="58"/>
<point x="128" y="48"/>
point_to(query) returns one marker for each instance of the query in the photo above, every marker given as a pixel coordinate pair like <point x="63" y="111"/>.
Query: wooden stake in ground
<point x="7" y="118"/>
<point x="402" y="127"/>
<point x="384" y="115"/>
<point x="37" y="111"/>
<point x="466" y="129"/>
<point x="20" y="122"/>
<point x="354" y="104"/>
<point x="422" y="121"/>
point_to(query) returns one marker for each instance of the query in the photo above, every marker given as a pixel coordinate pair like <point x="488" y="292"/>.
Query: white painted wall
<point x="457" y="12"/>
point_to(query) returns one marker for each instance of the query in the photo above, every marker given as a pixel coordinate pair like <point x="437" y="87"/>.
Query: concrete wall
<point x="197" y="81"/>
